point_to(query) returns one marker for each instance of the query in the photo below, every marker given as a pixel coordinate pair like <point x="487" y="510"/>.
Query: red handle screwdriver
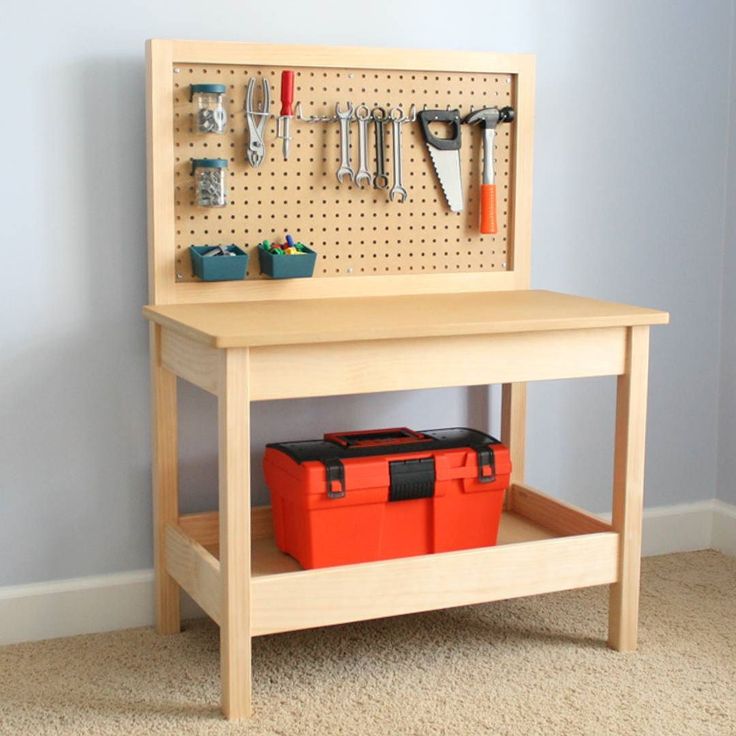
<point x="287" y="113"/>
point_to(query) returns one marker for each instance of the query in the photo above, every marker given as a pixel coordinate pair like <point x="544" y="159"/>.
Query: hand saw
<point x="445" y="153"/>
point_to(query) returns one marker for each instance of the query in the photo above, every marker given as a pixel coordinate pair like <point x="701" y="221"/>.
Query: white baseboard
<point x="679" y="528"/>
<point x="80" y="606"/>
<point x="724" y="527"/>
<point x="76" y="606"/>
<point x="125" y="600"/>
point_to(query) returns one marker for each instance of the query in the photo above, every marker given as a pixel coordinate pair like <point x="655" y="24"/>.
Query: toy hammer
<point x="489" y="118"/>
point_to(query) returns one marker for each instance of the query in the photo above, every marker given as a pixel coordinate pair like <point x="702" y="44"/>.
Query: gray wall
<point x="629" y="204"/>
<point x="727" y="415"/>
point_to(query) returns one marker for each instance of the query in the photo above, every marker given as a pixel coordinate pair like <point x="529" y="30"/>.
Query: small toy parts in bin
<point x="219" y="262"/>
<point x="209" y="112"/>
<point x="210" y="175"/>
<point x="379" y="494"/>
<point x="290" y="260"/>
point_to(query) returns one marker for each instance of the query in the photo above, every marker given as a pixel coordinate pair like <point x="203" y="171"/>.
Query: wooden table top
<point x="249" y="324"/>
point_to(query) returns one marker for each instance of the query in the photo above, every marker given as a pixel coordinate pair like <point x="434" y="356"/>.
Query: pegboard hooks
<point x="449" y="107"/>
<point x="299" y="114"/>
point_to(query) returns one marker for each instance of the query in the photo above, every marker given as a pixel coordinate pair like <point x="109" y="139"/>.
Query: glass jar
<point x="209" y="112"/>
<point x="210" y="181"/>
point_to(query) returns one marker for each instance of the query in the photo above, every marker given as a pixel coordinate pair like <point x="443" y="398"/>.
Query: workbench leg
<point x="628" y="490"/>
<point x="234" y="464"/>
<point x="165" y="484"/>
<point x="513" y="430"/>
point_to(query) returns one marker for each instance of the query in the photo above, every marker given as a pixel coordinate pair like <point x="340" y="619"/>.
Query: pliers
<point x="256" y="119"/>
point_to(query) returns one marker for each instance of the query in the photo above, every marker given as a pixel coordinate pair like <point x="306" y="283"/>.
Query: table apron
<point x="398" y="364"/>
<point x="367" y="366"/>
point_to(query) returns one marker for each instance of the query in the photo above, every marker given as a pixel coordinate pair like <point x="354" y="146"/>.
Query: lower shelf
<point x="266" y="559"/>
<point x="544" y="546"/>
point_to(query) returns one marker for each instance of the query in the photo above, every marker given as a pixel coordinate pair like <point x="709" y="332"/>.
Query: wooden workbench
<point x="363" y="345"/>
<point x="425" y="302"/>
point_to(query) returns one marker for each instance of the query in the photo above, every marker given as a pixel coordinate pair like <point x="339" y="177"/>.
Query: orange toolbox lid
<point x="399" y="458"/>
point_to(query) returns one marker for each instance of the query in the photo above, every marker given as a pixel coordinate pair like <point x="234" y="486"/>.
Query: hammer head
<point x="490" y="117"/>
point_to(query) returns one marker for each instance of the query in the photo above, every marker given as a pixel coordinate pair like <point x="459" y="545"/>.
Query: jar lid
<point x="209" y="163"/>
<point x="217" y="89"/>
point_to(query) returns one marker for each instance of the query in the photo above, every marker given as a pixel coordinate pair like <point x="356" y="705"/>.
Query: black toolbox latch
<point x="486" y="464"/>
<point x="411" y="479"/>
<point x="335" y="472"/>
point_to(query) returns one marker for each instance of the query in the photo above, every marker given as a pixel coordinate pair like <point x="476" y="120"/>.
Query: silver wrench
<point x="343" y="118"/>
<point x="397" y="119"/>
<point x="380" y="180"/>
<point x="363" y="116"/>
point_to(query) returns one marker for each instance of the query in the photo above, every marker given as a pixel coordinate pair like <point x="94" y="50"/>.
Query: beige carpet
<point x="527" y="666"/>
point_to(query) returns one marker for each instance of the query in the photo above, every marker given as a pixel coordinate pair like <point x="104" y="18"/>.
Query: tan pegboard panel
<point x="355" y="231"/>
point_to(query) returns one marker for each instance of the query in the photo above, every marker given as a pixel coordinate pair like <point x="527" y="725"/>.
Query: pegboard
<point x="366" y="244"/>
<point x="354" y="231"/>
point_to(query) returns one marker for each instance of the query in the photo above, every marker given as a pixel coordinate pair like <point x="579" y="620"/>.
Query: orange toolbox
<point x="373" y="495"/>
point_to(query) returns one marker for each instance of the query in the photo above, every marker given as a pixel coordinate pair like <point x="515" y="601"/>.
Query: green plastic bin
<point x="287" y="267"/>
<point x="219" y="268"/>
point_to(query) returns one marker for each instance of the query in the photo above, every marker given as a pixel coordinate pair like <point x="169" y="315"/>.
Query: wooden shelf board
<point x="544" y="545"/>
<point x="334" y="595"/>
<point x="267" y="559"/>
<point x="250" y="324"/>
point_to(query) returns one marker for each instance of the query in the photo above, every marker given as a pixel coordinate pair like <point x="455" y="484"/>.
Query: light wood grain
<point x="515" y="529"/>
<point x="191" y="359"/>
<point x="514" y="395"/>
<point x="513" y="424"/>
<point x="394" y="365"/>
<point x="195" y="569"/>
<point x="333" y="320"/>
<point x="520" y="203"/>
<point x="234" y="473"/>
<point x="392" y="587"/>
<point x="338" y="287"/>
<point x="160" y="172"/>
<point x="205" y="526"/>
<point x="556" y="516"/>
<point x="341" y="57"/>
<point x="165" y="483"/>
<point x="628" y="490"/>
<point x="463" y="575"/>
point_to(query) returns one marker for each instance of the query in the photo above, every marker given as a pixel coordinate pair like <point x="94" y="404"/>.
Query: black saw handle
<point x="441" y="116"/>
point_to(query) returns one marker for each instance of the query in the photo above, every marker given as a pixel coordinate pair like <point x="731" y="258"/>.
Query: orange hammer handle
<point x="488" y="222"/>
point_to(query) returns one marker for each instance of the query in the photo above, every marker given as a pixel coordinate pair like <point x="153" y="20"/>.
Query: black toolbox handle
<point x="376" y="438"/>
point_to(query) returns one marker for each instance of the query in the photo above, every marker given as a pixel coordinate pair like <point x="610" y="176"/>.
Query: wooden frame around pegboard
<point x="366" y="245"/>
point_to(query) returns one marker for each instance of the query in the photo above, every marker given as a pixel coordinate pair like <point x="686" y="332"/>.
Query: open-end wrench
<point x="343" y="118"/>
<point x="397" y="119"/>
<point x="363" y="116"/>
<point x="380" y="180"/>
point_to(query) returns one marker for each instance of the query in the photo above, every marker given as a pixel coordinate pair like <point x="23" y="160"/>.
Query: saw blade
<point x="447" y="166"/>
